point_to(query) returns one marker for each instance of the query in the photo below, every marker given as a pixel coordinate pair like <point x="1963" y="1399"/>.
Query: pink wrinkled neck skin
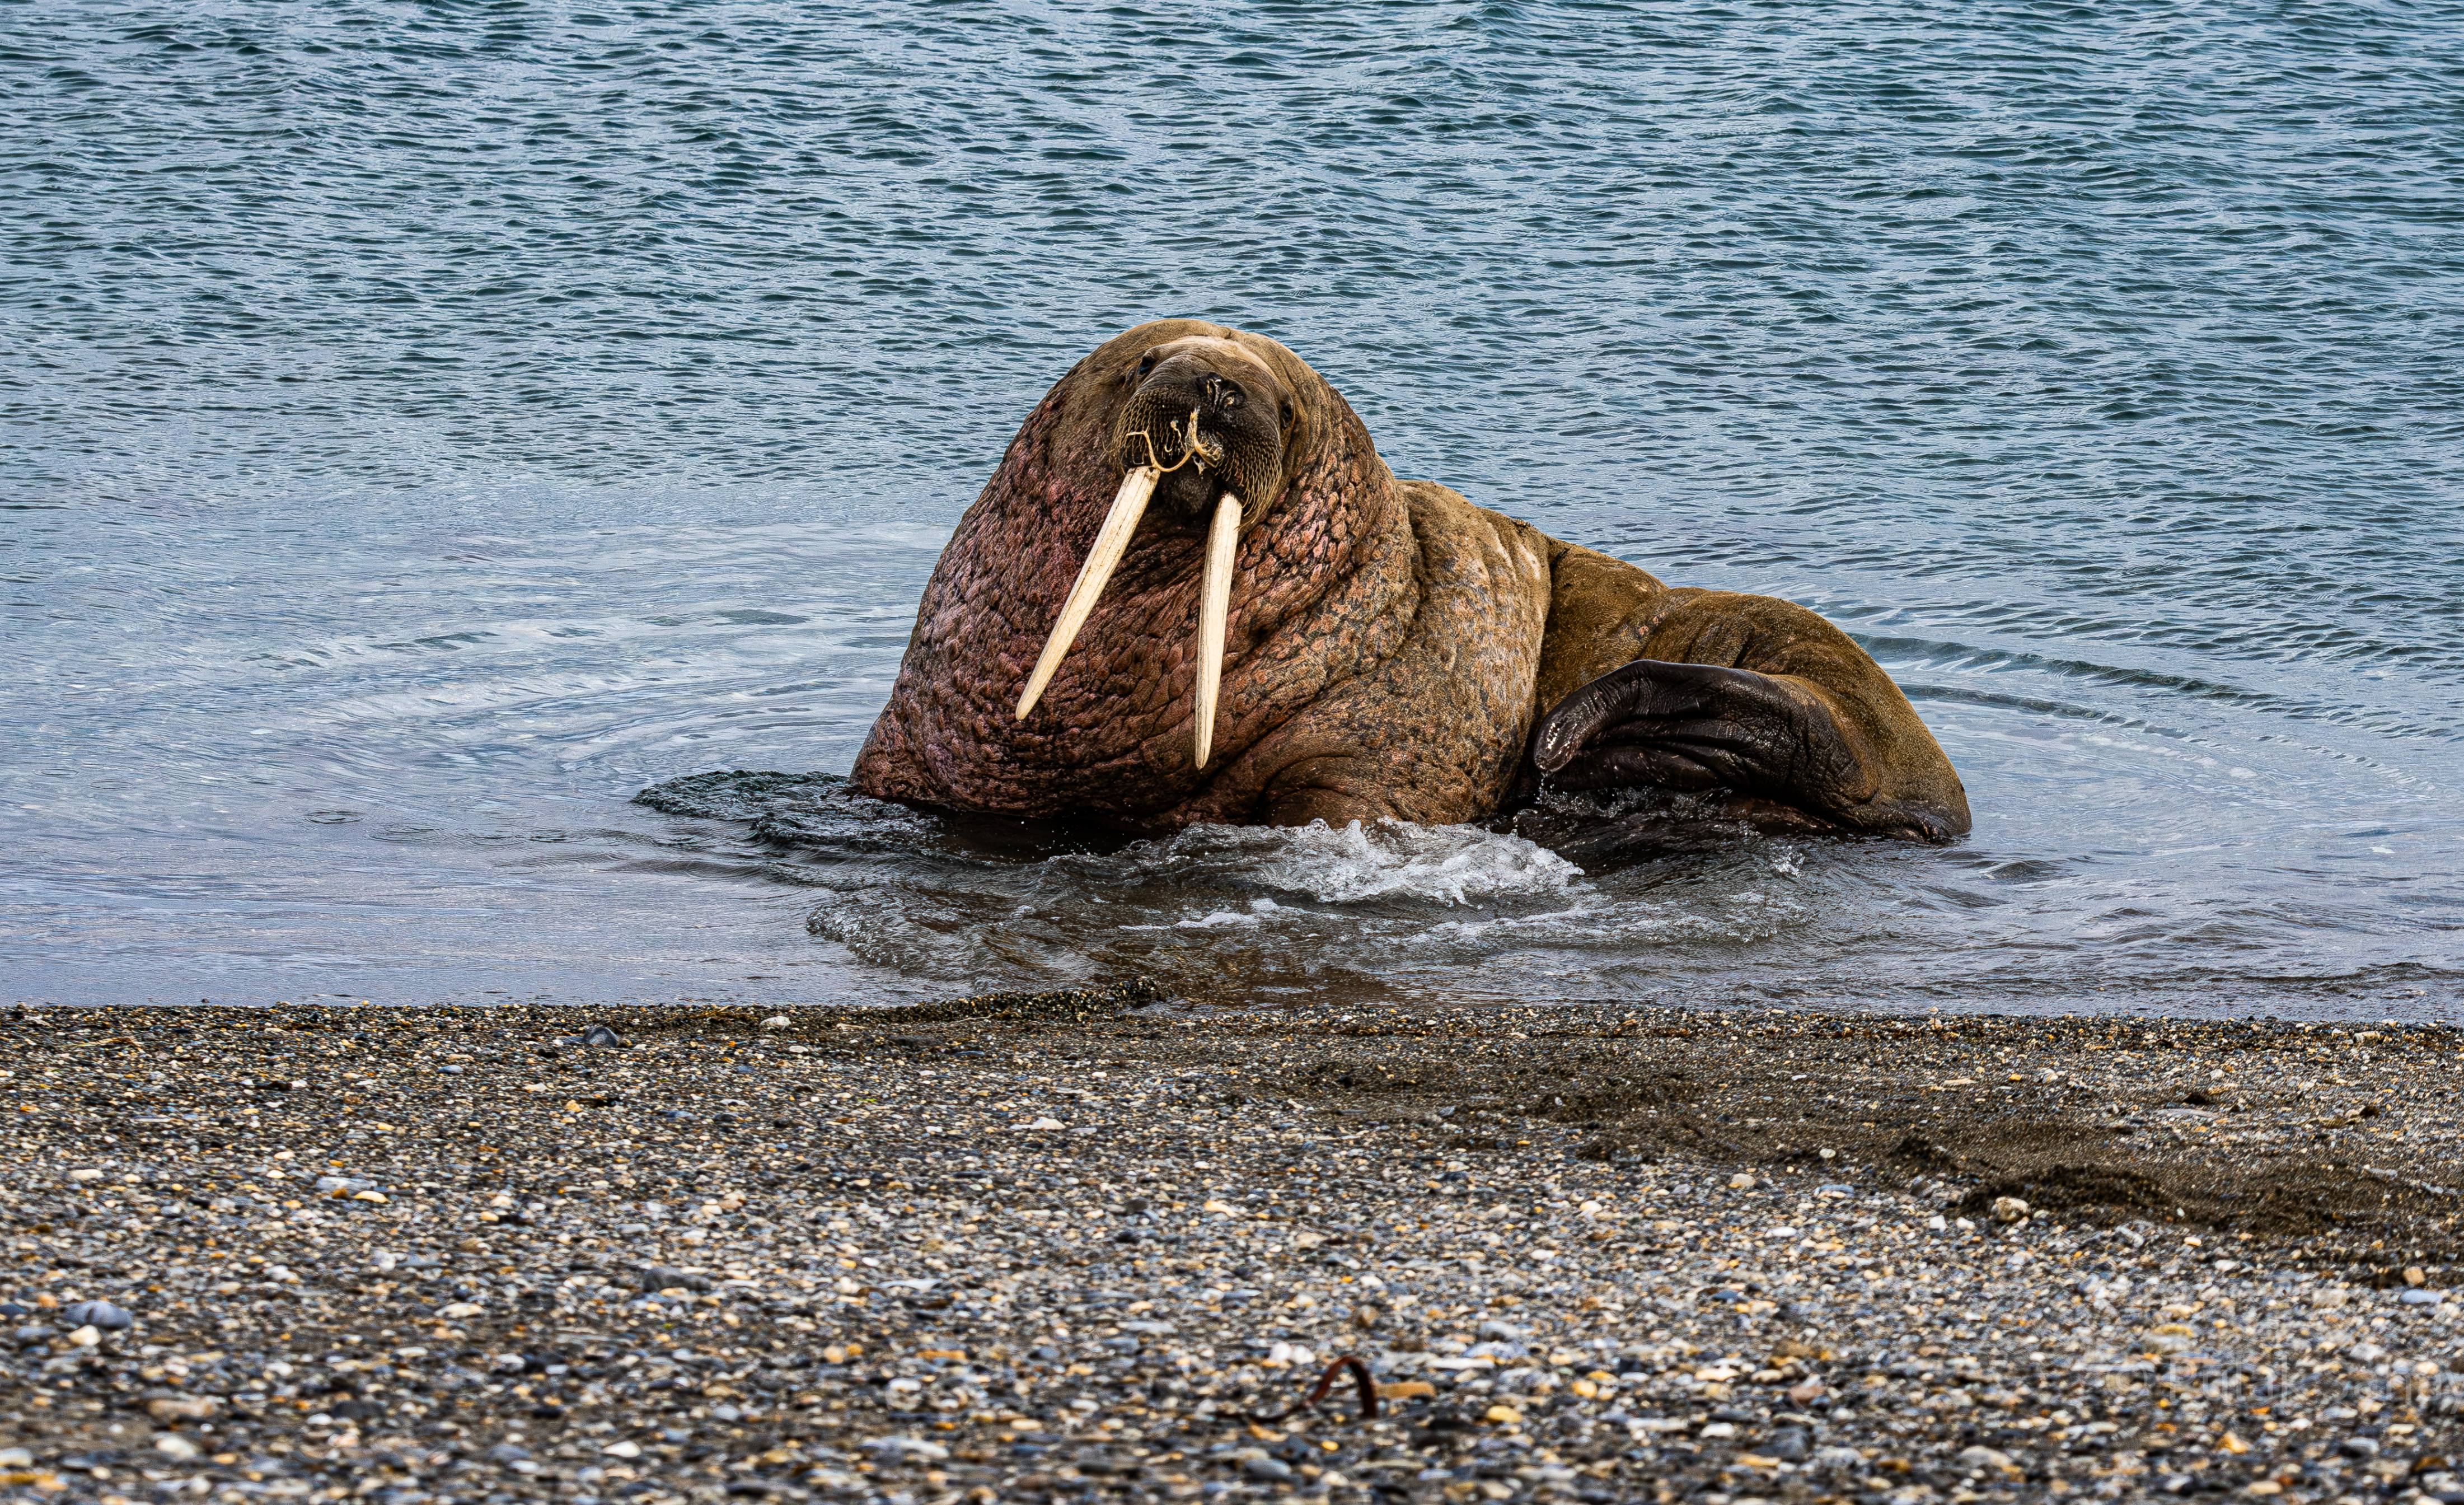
<point x="1323" y="589"/>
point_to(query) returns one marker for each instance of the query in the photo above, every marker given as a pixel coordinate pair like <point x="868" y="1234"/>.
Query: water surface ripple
<point x="423" y="427"/>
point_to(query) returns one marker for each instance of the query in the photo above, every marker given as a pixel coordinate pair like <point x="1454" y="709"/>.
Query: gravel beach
<point x="1073" y="1245"/>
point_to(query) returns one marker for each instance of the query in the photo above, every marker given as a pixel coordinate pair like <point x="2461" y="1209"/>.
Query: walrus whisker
<point x="1214" y="611"/>
<point x="1112" y="541"/>
<point x="1156" y="465"/>
<point x="1189" y="445"/>
<point x="1189" y="449"/>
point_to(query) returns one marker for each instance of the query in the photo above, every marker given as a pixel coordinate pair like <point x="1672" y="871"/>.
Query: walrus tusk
<point x="1214" y="608"/>
<point x="1112" y="541"/>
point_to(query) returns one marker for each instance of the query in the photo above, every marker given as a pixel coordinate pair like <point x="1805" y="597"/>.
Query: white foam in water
<point x="1257" y="909"/>
<point x="1354" y="863"/>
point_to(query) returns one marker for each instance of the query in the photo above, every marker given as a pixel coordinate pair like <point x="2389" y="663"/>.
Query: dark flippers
<point x="1775" y="743"/>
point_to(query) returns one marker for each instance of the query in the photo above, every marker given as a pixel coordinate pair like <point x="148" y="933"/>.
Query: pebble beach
<point x="1094" y="1244"/>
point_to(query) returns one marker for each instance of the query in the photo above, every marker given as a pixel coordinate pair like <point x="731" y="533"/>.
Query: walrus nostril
<point x="1221" y="394"/>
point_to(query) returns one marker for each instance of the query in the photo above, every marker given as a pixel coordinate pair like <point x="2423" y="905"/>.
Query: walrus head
<point x="1214" y="419"/>
<point x="1167" y="563"/>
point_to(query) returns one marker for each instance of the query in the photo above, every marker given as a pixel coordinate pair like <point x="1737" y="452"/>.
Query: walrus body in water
<point x="1193" y="592"/>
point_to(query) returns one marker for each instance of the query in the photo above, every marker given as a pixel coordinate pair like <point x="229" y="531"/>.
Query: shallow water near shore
<point x="418" y="439"/>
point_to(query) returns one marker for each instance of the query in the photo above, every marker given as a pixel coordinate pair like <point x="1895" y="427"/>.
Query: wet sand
<point x="1060" y="1246"/>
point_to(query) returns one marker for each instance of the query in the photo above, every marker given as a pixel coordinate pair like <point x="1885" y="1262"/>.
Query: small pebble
<point x="100" y="1315"/>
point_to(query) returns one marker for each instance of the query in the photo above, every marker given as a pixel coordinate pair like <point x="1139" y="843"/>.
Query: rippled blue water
<point x="424" y="426"/>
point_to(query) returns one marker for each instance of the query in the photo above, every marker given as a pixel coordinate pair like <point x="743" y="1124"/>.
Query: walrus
<point x="1192" y="592"/>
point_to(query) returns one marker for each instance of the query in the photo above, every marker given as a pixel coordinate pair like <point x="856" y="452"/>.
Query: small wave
<point x="1259" y="911"/>
<point x="1937" y="654"/>
<point x="1220" y="917"/>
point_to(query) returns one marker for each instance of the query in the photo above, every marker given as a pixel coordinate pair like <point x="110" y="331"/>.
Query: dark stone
<point x="100" y="1314"/>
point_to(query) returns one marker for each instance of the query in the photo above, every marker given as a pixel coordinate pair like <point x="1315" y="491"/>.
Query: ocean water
<point x="423" y="428"/>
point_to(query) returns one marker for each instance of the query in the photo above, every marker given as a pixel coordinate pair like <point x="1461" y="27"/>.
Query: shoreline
<point x="1050" y="1246"/>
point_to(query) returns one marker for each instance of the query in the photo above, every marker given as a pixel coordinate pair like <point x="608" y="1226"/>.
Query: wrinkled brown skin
<point x="1394" y="651"/>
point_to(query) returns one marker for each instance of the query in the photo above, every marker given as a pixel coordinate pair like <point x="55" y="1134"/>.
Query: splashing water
<point x="1357" y="863"/>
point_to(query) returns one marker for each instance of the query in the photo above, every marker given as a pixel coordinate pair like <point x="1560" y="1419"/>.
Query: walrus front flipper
<point x="1797" y="722"/>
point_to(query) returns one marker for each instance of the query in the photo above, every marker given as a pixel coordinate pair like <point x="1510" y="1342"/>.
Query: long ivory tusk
<point x="1112" y="541"/>
<point x="1214" y="608"/>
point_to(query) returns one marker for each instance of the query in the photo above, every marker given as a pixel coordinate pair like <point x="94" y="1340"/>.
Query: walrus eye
<point x="1147" y="365"/>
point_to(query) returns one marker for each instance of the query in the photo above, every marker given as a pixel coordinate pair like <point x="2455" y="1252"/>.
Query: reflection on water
<point x="417" y="440"/>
